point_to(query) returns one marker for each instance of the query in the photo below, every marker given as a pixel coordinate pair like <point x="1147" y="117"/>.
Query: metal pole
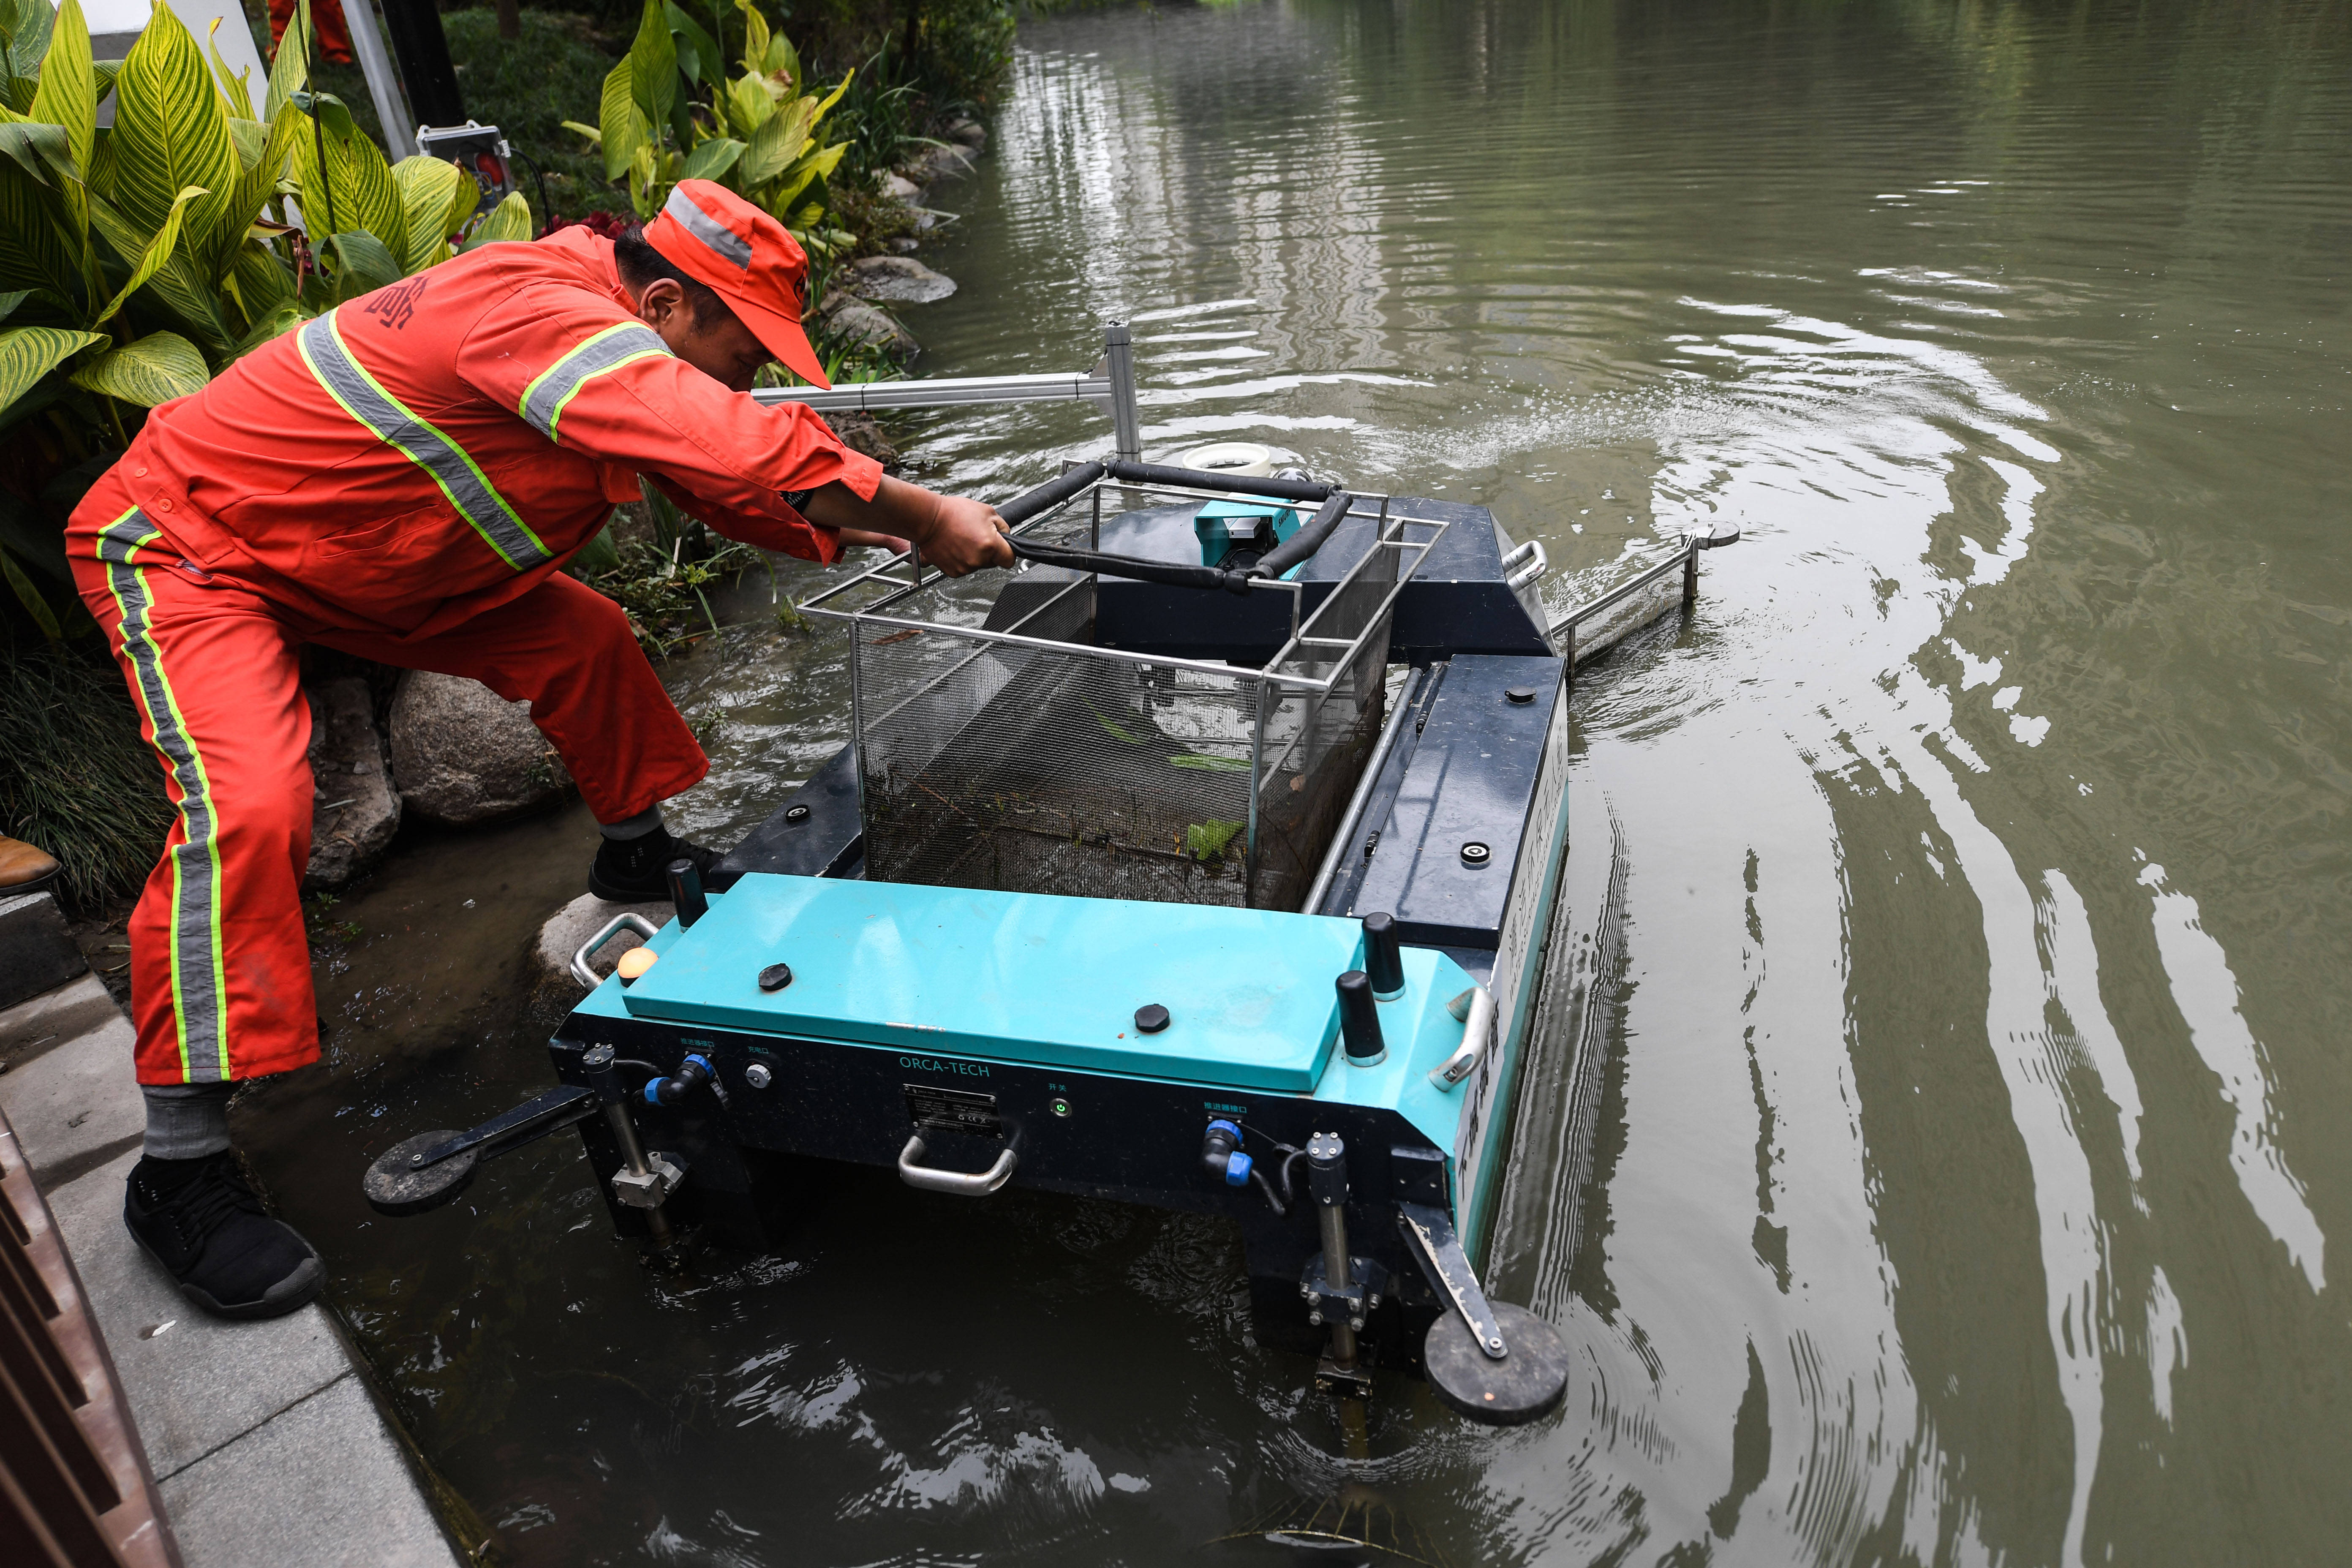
<point x="624" y="1133"/>
<point x="1690" y="578"/>
<point x="1119" y="358"/>
<point x="1327" y="1175"/>
<point x="391" y="110"/>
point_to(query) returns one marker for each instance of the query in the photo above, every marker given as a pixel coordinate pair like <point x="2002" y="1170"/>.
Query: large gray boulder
<point x="902" y="279"/>
<point x="937" y="164"/>
<point x="854" y="317"/>
<point x="354" y="810"/>
<point x="463" y="754"/>
<point x="553" y="991"/>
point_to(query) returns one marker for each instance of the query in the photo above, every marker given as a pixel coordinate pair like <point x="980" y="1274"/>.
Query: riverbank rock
<point x="861" y="431"/>
<point x="899" y="188"/>
<point x="462" y="754"/>
<point x="902" y="279"/>
<point x="854" y="317"/>
<point x="971" y="132"/>
<point x="938" y="163"/>
<point x="354" y="809"/>
<point x="553" y="991"/>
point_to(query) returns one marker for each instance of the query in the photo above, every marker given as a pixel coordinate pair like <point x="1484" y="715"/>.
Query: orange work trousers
<point x="327" y="15"/>
<point x="220" y="969"/>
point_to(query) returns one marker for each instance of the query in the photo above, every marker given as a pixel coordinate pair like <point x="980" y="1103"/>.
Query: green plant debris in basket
<point x="1207" y="840"/>
<point x="1198" y="764"/>
<point x="1113" y="730"/>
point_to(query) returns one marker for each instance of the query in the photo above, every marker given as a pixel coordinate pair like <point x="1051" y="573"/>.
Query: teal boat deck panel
<point x="1019" y="977"/>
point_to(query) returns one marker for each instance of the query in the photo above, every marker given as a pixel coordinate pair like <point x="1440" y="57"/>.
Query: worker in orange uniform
<point x="403" y="478"/>
<point x="327" y="15"/>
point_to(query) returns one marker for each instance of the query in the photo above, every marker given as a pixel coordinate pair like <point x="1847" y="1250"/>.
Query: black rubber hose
<point x="1049" y="495"/>
<point x="1281" y="1210"/>
<point x="1232" y="484"/>
<point x="1171" y="574"/>
<point x="1303" y="544"/>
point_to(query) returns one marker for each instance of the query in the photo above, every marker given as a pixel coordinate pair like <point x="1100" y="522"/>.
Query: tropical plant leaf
<point x="30" y="598"/>
<point x="652" y="65"/>
<point x="355" y="192"/>
<point x="749" y="103"/>
<point x="593" y="135"/>
<point x="363" y="264"/>
<point x="698" y="55"/>
<point x="159" y="250"/>
<point x="712" y="159"/>
<point x="10" y="301"/>
<point x="510" y="220"/>
<point x="273" y="323"/>
<point x="622" y="127"/>
<point x="29" y="353"/>
<point x="260" y="179"/>
<point x="755" y="38"/>
<point x="39" y="150"/>
<point x="290" y="73"/>
<point x="28" y="41"/>
<point x="65" y="98"/>
<point x="101" y="79"/>
<point x="430" y="190"/>
<point x="174" y="286"/>
<point x="36" y="251"/>
<point x="776" y="143"/>
<point x="260" y="281"/>
<point x="235" y="86"/>
<point x="170" y="134"/>
<point x="154" y="369"/>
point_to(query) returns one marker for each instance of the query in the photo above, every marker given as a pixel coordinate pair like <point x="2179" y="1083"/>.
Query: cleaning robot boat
<point x="1205" y="862"/>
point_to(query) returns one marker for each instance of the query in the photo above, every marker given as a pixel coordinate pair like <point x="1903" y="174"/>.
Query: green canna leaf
<point x="510" y="220"/>
<point x="26" y="45"/>
<point x="621" y="125"/>
<point x="30" y="598"/>
<point x="67" y="98"/>
<point x="159" y="251"/>
<point x="362" y="263"/>
<point x="354" y="192"/>
<point x="155" y="369"/>
<point x="29" y="353"/>
<point x="236" y="85"/>
<point x="652" y="65"/>
<point x="290" y="73"/>
<point x="698" y="55"/>
<point x="169" y="135"/>
<point x="431" y="189"/>
<point x="174" y="286"/>
<point x="36" y="251"/>
<point x="274" y="323"/>
<point x="713" y="159"/>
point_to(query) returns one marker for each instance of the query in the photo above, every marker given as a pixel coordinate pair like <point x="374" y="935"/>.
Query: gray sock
<point x="647" y="821"/>
<point x="187" y="1120"/>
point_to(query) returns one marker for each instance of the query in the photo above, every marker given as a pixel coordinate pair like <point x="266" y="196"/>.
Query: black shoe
<point x="207" y="1230"/>
<point x="636" y="871"/>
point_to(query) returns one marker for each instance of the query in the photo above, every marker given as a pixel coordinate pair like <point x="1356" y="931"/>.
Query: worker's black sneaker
<point x="636" y="871"/>
<point x="204" y="1225"/>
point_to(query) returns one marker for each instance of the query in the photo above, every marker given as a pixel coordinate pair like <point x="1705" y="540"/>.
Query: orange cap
<point x="716" y="237"/>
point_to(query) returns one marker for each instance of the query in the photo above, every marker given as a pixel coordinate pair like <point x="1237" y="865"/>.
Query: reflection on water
<point x="1957" y="919"/>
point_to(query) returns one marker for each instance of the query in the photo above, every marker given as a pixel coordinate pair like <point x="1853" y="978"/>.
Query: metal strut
<point x="1439" y="1250"/>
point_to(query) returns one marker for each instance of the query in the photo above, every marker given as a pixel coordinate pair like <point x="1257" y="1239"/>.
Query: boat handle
<point x="1475" y="1008"/>
<point x="635" y="922"/>
<point x="975" y="1185"/>
<point x="1530" y="573"/>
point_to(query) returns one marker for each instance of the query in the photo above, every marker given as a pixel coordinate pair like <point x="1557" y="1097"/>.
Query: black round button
<point x="1151" y="1018"/>
<point x="775" y="977"/>
<point x="1475" y="853"/>
<point x="1521" y="694"/>
<point x="796" y="814"/>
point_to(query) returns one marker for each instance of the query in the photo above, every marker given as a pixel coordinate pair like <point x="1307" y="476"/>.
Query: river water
<point x="1960" y="901"/>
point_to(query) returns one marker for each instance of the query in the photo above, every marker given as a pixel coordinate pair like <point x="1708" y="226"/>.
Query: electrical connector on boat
<point x="691" y="1075"/>
<point x="1221" y="1156"/>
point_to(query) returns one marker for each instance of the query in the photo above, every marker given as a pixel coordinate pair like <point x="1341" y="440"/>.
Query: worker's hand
<point x="963" y="535"/>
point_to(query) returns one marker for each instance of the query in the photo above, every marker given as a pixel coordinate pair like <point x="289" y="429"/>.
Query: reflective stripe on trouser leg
<point x="199" y="987"/>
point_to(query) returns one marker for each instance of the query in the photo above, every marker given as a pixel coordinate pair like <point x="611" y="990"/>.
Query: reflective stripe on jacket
<point x="439" y="446"/>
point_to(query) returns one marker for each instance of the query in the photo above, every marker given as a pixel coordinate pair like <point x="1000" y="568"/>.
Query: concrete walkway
<point x="266" y="1440"/>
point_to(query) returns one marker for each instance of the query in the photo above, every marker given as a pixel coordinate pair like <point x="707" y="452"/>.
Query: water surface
<point x="1959" y="906"/>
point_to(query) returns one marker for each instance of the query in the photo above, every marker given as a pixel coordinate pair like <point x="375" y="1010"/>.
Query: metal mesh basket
<point x="998" y="748"/>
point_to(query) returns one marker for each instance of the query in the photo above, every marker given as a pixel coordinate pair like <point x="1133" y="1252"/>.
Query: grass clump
<point x="75" y="776"/>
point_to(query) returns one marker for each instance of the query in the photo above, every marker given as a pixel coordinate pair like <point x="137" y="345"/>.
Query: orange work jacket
<point x="439" y="446"/>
